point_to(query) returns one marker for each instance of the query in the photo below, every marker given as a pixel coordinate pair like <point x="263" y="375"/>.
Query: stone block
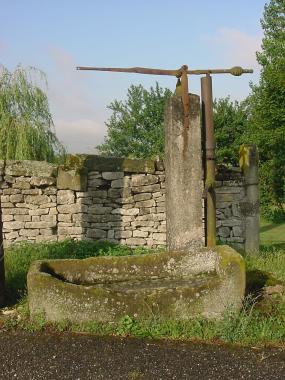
<point x="42" y="181"/>
<point x="112" y="164"/>
<point x="143" y="179"/>
<point x="11" y="235"/>
<point x="15" y="211"/>
<point x="39" y="224"/>
<point x="16" y="198"/>
<point x="11" y="191"/>
<point x="29" y="232"/>
<point x="70" y="230"/>
<point x="37" y="199"/>
<point x="142" y="197"/>
<point x="99" y="210"/>
<point x="112" y="175"/>
<point x="146" y="189"/>
<point x="7" y="205"/>
<point x="119" y="183"/>
<point x="135" y="241"/>
<point x="126" y="212"/>
<point x="65" y="197"/>
<point x="22" y="184"/>
<point x="159" y="217"/>
<point x="111" y="234"/>
<point x="39" y="211"/>
<point x="149" y="203"/>
<point x="224" y="232"/>
<point x="13" y="225"/>
<point x="161" y="237"/>
<point x="96" y="234"/>
<point x="64" y="217"/>
<point x="49" y="218"/>
<point x="22" y="218"/>
<point x="32" y="192"/>
<point x="70" y="209"/>
<point x="123" y="234"/>
<point x="7" y="218"/>
<point x="140" y="234"/>
<point x="73" y="179"/>
<point x="29" y="168"/>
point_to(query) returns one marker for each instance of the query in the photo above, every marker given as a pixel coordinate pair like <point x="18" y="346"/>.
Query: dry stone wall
<point x="93" y="197"/>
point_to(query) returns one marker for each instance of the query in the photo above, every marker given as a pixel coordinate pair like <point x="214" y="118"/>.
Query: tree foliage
<point x="267" y="106"/>
<point x="26" y="126"/>
<point x="230" y="121"/>
<point x="135" y="128"/>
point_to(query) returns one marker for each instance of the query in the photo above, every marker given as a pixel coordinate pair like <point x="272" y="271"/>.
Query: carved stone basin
<point x="167" y="285"/>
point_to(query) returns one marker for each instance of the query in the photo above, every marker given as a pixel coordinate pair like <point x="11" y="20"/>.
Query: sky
<point x="58" y="35"/>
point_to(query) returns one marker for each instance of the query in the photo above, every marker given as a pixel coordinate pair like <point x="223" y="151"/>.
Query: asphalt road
<point x="77" y="357"/>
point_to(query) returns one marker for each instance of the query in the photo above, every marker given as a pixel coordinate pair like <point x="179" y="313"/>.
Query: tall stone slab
<point x="184" y="184"/>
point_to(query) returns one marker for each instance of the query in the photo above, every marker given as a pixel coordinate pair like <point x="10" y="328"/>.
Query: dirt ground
<point x="34" y="356"/>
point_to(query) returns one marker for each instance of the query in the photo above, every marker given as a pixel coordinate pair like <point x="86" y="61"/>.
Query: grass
<point x="272" y="234"/>
<point x="19" y="258"/>
<point x="251" y="326"/>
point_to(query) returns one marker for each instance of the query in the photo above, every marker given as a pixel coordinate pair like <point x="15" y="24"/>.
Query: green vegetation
<point x="230" y="121"/>
<point x="267" y="107"/>
<point x="272" y="233"/>
<point x="19" y="258"/>
<point x="135" y="129"/>
<point x="26" y="126"/>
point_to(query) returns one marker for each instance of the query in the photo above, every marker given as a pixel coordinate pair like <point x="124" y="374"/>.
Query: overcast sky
<point x="58" y="35"/>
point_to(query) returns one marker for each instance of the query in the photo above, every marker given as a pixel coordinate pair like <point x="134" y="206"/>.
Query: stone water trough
<point x="167" y="285"/>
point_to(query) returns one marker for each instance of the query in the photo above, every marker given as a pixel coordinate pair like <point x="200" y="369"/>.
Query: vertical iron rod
<point x="210" y="145"/>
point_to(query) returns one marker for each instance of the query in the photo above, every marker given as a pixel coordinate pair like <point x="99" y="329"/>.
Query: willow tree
<point x="26" y="126"/>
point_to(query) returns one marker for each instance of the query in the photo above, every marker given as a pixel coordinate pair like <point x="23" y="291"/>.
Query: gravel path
<point x="77" y="357"/>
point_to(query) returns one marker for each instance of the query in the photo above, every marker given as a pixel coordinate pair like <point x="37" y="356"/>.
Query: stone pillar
<point x="184" y="185"/>
<point x="250" y="208"/>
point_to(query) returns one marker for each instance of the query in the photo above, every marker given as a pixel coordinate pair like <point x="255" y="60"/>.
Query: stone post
<point x="184" y="185"/>
<point x="250" y="208"/>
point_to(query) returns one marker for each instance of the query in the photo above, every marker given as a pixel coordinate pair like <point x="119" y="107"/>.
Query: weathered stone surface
<point x="118" y="183"/>
<point x="142" y="197"/>
<point x="40" y="224"/>
<point x="123" y="234"/>
<point x="143" y="179"/>
<point x="127" y="212"/>
<point x="70" y="231"/>
<point x="149" y="203"/>
<point x="37" y="199"/>
<point x="146" y="189"/>
<point x="30" y="168"/>
<point x="177" y="286"/>
<point x="42" y="181"/>
<point x="112" y="164"/>
<point x="140" y="234"/>
<point x="65" y="197"/>
<point x="183" y="166"/>
<point x="112" y="175"/>
<point x="96" y="233"/>
<point x="73" y="179"/>
<point x="29" y="232"/>
<point x="15" y="198"/>
<point x="13" y="225"/>
<point x="70" y="209"/>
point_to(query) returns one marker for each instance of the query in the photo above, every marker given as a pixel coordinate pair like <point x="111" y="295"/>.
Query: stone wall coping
<point x="28" y="168"/>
